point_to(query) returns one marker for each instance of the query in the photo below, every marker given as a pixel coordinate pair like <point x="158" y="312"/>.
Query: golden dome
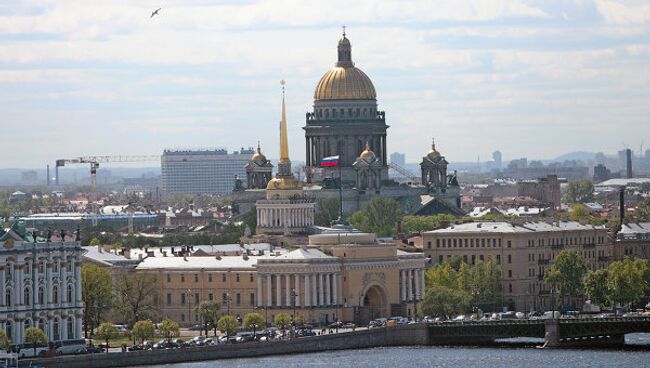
<point x="345" y="84"/>
<point x="433" y="153"/>
<point x="367" y="154"/>
<point x="258" y="155"/>
<point x="345" y="81"/>
<point x="283" y="183"/>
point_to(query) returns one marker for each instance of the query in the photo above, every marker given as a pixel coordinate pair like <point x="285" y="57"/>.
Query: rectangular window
<point x="238" y="299"/>
<point x="237" y="277"/>
<point x="196" y="277"/>
<point x="509" y="243"/>
<point x="223" y="277"/>
<point x="169" y="278"/>
<point x="483" y="243"/>
<point x="224" y="299"/>
<point x="210" y="296"/>
<point x="509" y="273"/>
<point x="454" y="243"/>
<point x="250" y="277"/>
<point x="252" y="299"/>
<point x="509" y="258"/>
<point x="209" y="277"/>
<point x="182" y="277"/>
<point x="182" y="298"/>
<point x="498" y="259"/>
<point x="197" y="296"/>
<point x="440" y="259"/>
<point x="428" y="245"/>
<point x="169" y="298"/>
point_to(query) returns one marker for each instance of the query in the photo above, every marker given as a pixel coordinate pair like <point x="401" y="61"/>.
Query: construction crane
<point x="404" y="172"/>
<point x="94" y="162"/>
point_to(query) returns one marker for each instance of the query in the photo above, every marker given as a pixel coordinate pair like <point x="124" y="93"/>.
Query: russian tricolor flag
<point x="332" y="161"/>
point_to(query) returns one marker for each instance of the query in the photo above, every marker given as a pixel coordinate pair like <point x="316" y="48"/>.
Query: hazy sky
<point x="531" y="78"/>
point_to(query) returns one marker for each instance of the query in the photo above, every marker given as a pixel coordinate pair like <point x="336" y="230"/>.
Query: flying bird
<point x="155" y="12"/>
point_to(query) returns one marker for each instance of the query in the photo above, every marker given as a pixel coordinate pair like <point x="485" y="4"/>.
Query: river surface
<point x="456" y="357"/>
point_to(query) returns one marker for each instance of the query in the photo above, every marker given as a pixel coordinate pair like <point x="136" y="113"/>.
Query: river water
<point x="456" y="357"/>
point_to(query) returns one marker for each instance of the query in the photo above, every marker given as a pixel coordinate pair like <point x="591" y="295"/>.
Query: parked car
<point x="165" y="344"/>
<point x="67" y="347"/>
<point x="197" y="327"/>
<point x="349" y="325"/>
<point x="196" y="341"/>
<point x="244" y="337"/>
<point x="337" y="324"/>
<point x="210" y="341"/>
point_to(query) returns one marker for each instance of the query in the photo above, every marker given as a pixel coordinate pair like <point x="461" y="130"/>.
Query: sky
<point x="534" y="78"/>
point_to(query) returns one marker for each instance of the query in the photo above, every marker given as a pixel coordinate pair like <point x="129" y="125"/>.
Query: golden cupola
<point x="433" y="153"/>
<point x="345" y="81"/>
<point x="258" y="155"/>
<point x="367" y="153"/>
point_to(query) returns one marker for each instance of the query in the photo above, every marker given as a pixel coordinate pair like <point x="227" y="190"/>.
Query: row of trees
<point x="623" y="282"/>
<point x="455" y="287"/>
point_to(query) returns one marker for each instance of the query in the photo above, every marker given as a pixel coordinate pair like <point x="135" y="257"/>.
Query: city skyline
<point x="479" y="76"/>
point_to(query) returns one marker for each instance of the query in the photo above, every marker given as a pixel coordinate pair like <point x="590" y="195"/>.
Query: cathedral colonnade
<point x="285" y="216"/>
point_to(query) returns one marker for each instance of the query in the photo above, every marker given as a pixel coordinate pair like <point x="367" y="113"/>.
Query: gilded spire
<point x="284" y="143"/>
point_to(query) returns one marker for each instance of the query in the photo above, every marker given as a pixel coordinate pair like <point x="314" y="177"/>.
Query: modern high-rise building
<point x="496" y="156"/>
<point x="398" y="158"/>
<point x="203" y="171"/>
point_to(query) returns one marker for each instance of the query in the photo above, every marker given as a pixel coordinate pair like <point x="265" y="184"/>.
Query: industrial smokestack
<point x="628" y="162"/>
<point x="621" y="204"/>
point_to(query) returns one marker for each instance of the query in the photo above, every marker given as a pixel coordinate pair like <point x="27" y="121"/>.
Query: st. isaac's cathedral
<point x="345" y="122"/>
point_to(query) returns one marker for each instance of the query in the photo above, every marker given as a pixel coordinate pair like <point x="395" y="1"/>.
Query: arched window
<point x="71" y="327"/>
<point x="69" y="294"/>
<point x="41" y="324"/>
<point x="9" y="330"/>
<point x="28" y="323"/>
<point x="27" y="296"/>
<point x="55" y="327"/>
<point x="55" y="294"/>
<point x="8" y="297"/>
<point x="9" y="271"/>
<point x="41" y="295"/>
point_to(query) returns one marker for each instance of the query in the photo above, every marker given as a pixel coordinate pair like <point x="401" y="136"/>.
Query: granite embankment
<point x="407" y="335"/>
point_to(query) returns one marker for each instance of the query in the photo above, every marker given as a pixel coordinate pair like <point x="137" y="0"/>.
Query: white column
<point x="403" y="274"/>
<point x="328" y="294"/>
<point x="409" y="283"/>
<point x="296" y="279"/>
<point x="417" y="284"/>
<point x="307" y="291"/>
<point x="77" y="325"/>
<point x="335" y="289"/>
<point x="287" y="289"/>
<point x="77" y="284"/>
<point x="269" y="296"/>
<point x="314" y="290"/>
<point x="278" y="290"/>
<point x="64" y="328"/>
<point x="422" y="283"/>
<point x="19" y="285"/>
<point x="50" y="329"/>
<point x="259" y="290"/>
<point x="321" y="299"/>
<point x="20" y="325"/>
<point x="2" y="286"/>
<point x="50" y="281"/>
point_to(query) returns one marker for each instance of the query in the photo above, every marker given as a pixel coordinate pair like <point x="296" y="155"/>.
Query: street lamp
<point x="294" y="294"/>
<point x="228" y="302"/>
<point x="189" y="306"/>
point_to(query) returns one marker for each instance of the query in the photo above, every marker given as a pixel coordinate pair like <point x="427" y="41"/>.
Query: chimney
<point x="164" y="253"/>
<point x="621" y="204"/>
<point x="140" y="256"/>
<point x="628" y="162"/>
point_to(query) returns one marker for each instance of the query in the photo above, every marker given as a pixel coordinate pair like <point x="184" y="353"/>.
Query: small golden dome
<point x="367" y="154"/>
<point x="287" y="183"/>
<point x="345" y="84"/>
<point x="433" y="153"/>
<point x="258" y="155"/>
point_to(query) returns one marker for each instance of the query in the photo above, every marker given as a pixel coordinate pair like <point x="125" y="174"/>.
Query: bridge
<point x="555" y="332"/>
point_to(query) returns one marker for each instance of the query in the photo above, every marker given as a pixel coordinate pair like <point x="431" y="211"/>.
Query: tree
<point x="579" y="212"/>
<point x="595" y="284"/>
<point x="35" y="337"/>
<point x="228" y="324"/>
<point x="566" y="273"/>
<point x="626" y="281"/>
<point x="94" y="242"/>
<point x="443" y="301"/>
<point x="579" y="191"/>
<point x="4" y="340"/>
<point x="327" y="211"/>
<point x="254" y="321"/>
<point x="107" y="331"/>
<point x="300" y="321"/>
<point x="282" y="321"/>
<point x="485" y="282"/>
<point x="379" y="216"/>
<point x="424" y="223"/>
<point x="169" y="328"/>
<point x="97" y="294"/>
<point x="209" y="313"/>
<point x="642" y="211"/>
<point x="136" y="296"/>
<point x="143" y="330"/>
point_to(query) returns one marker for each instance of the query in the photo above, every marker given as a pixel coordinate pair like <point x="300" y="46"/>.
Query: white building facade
<point x="41" y="285"/>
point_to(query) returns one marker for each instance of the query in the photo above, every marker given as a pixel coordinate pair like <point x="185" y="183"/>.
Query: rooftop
<point x="507" y="227"/>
